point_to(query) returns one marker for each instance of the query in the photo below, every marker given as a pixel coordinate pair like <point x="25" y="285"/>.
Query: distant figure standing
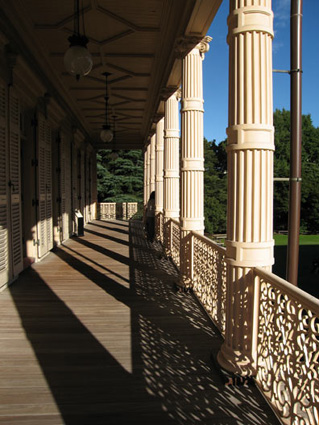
<point x="150" y="217"/>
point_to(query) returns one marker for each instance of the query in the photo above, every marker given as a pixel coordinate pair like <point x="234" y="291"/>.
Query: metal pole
<point x="295" y="141"/>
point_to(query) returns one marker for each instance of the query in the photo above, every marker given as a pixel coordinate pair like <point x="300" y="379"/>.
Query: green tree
<point x="215" y="186"/>
<point x="310" y="176"/>
<point x="120" y="175"/>
<point x="281" y="168"/>
<point x="310" y="172"/>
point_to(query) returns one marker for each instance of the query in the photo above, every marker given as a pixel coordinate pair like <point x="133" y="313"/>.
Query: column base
<point x="236" y="362"/>
<point x="184" y="284"/>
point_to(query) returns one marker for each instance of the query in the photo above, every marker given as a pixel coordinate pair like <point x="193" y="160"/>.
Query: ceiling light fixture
<point x="77" y="59"/>
<point x="106" y="134"/>
<point x="114" y="126"/>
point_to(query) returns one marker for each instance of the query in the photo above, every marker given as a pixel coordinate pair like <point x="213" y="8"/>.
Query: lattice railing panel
<point x="175" y="242"/>
<point x="120" y="210"/>
<point x="107" y="210"/>
<point x="288" y="349"/>
<point x="159" y="230"/>
<point x="131" y="209"/>
<point x="209" y="278"/>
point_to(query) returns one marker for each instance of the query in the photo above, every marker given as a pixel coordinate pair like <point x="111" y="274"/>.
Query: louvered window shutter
<point x="86" y="189"/>
<point x="89" y="197"/>
<point x="82" y="183"/>
<point x="15" y="182"/>
<point x="79" y="175"/>
<point x="4" y="241"/>
<point x="74" y="182"/>
<point x="65" y="188"/>
<point x="45" y="230"/>
<point x="48" y="184"/>
<point x="77" y="181"/>
<point x="42" y="236"/>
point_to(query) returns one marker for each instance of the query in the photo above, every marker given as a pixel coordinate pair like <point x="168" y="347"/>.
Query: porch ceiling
<point x="134" y="40"/>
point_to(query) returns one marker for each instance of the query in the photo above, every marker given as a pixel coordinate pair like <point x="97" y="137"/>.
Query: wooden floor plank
<point x="96" y="334"/>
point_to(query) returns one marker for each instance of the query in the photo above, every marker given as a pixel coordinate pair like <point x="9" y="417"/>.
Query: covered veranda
<point x="61" y="290"/>
<point x="95" y="334"/>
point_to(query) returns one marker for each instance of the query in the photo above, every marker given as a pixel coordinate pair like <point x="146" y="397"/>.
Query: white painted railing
<point x="119" y="210"/>
<point x="209" y="277"/>
<point x="288" y="349"/>
<point x="175" y="241"/>
<point x="159" y="227"/>
<point x="131" y="209"/>
<point x="172" y="240"/>
<point x="107" y="210"/>
<point x="287" y="324"/>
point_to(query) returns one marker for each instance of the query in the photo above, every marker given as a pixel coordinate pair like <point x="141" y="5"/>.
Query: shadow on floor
<point x="172" y="379"/>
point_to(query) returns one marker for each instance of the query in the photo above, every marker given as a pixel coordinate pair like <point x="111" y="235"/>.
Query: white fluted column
<point x="145" y="177"/>
<point x="148" y="172"/>
<point x="159" y="171"/>
<point x="152" y="163"/>
<point x="250" y="177"/>
<point x="171" y="158"/>
<point x="192" y="161"/>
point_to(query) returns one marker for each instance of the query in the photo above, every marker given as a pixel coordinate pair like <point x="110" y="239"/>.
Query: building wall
<point x="46" y="172"/>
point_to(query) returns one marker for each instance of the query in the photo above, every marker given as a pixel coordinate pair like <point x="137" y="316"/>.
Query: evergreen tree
<point x="310" y="173"/>
<point x="120" y="179"/>
<point x="120" y="176"/>
<point x="215" y="187"/>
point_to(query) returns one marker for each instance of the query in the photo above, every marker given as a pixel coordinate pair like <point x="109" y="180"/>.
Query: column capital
<point x="157" y="118"/>
<point x="167" y="92"/>
<point x="203" y="45"/>
<point x="185" y="45"/>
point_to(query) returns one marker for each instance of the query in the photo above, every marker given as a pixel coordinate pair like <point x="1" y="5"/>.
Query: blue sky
<point x="215" y="66"/>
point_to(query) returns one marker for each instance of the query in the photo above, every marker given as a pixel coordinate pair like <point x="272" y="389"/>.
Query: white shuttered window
<point x="66" y="188"/>
<point x="4" y="241"/>
<point x="45" y="222"/>
<point x="15" y="182"/>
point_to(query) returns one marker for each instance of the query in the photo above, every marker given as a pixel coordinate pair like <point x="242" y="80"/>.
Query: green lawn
<point x="308" y="278"/>
<point x="281" y="240"/>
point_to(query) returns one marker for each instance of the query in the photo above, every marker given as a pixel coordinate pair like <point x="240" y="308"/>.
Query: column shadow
<point x="172" y="379"/>
<point x="88" y="385"/>
<point x="103" y="235"/>
<point x="108" y="226"/>
<point x="176" y="340"/>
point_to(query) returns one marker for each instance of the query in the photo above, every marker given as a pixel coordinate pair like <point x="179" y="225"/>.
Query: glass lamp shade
<point x="78" y="60"/>
<point x="106" y="135"/>
<point x="114" y="156"/>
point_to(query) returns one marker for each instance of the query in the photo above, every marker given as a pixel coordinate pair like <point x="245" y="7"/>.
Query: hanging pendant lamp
<point x="106" y="134"/>
<point x="77" y="59"/>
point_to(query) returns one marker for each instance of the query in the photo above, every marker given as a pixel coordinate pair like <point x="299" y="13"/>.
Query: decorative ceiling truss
<point x="134" y="41"/>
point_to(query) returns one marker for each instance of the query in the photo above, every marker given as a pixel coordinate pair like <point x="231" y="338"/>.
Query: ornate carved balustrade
<point x="209" y="277"/>
<point x="288" y="349"/>
<point x="286" y="321"/>
<point x="120" y="210"/>
<point x="175" y="238"/>
<point x="159" y="227"/>
<point x="172" y="240"/>
<point x="107" y="210"/>
<point x="131" y="209"/>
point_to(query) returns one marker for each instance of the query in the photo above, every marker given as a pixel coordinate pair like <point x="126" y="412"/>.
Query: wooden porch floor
<point x="96" y="334"/>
